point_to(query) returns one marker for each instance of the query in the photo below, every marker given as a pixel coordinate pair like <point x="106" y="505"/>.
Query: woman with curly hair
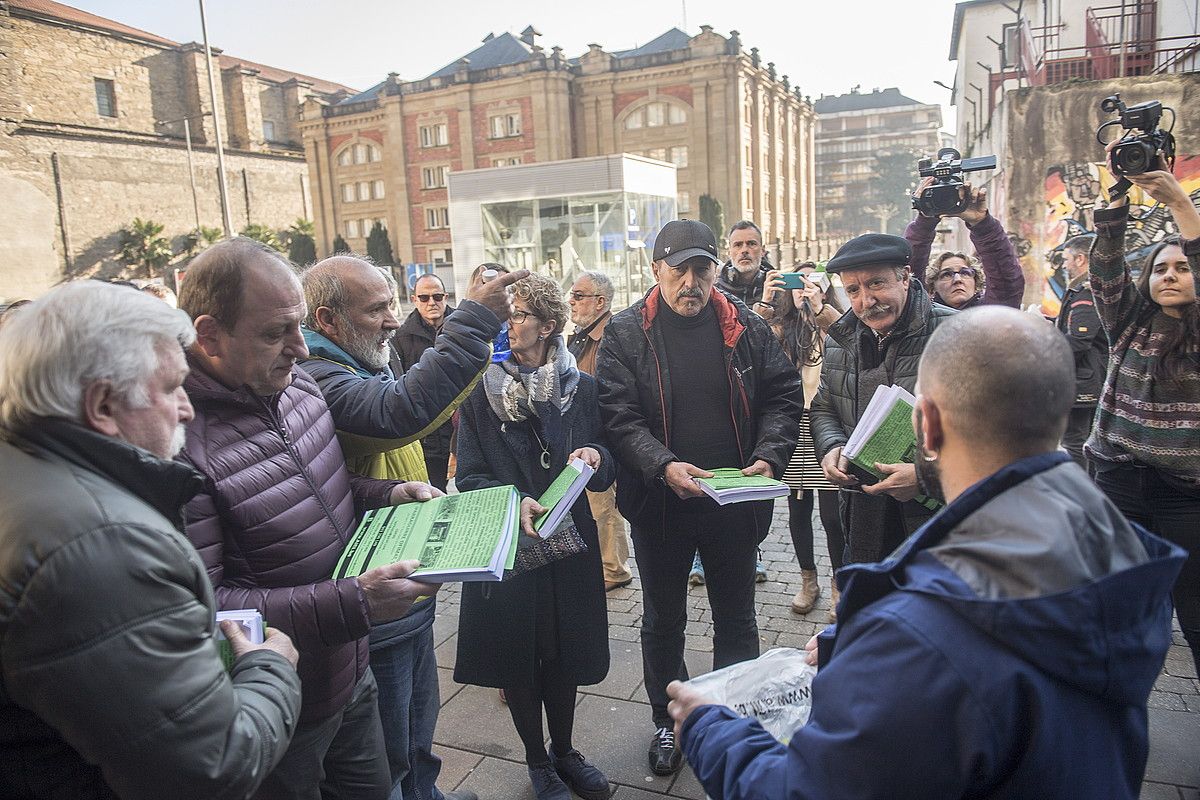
<point x="540" y="634"/>
<point x="1145" y="448"/>
<point x="800" y="320"/>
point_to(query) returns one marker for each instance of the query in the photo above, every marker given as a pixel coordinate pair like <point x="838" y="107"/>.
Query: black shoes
<point x="546" y="783"/>
<point x="665" y="757"/>
<point x="583" y="778"/>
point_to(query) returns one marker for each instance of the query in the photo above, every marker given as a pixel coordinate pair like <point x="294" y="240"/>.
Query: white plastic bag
<point x="775" y="689"/>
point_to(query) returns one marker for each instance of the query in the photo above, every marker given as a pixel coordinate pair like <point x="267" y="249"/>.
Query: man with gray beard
<point x="880" y="344"/>
<point x="380" y="419"/>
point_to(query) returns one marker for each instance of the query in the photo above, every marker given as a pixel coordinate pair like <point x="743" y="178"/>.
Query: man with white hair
<point x="112" y="685"/>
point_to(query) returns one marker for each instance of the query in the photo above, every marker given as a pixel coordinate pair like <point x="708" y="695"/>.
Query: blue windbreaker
<point x="1006" y="650"/>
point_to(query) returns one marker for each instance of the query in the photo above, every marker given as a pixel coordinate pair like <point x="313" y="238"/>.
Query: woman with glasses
<point x="957" y="279"/>
<point x="540" y="634"/>
<point x="1145" y="447"/>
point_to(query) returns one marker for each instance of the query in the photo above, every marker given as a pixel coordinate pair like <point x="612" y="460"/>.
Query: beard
<point x="178" y="439"/>
<point x="369" y="350"/>
<point x="929" y="478"/>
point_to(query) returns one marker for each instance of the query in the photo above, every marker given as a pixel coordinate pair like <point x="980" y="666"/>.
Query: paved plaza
<point x="481" y="750"/>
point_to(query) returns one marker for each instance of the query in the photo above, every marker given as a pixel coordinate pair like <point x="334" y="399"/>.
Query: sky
<point x="824" y="47"/>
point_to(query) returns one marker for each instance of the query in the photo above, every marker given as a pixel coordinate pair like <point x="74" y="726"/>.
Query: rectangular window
<point x="106" y="98"/>
<point x="675" y="115"/>
<point x="268" y="130"/>
<point x="436" y="218"/>
<point x="434" y="177"/>
<point x="364" y="190"/>
<point x="351" y="229"/>
<point x="360" y="154"/>
<point x="510" y="161"/>
<point x="347" y="192"/>
<point x="1012" y="45"/>
<point x="503" y="126"/>
<point x="435" y="135"/>
<point x="655" y="115"/>
<point x="658" y="153"/>
<point x="377" y="189"/>
<point x="442" y="257"/>
<point x="679" y="156"/>
<point x="685" y="202"/>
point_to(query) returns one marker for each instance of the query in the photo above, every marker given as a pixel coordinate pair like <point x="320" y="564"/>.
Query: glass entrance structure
<point x="562" y="218"/>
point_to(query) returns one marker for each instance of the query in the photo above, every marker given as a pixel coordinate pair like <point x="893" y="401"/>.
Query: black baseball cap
<point x="682" y="239"/>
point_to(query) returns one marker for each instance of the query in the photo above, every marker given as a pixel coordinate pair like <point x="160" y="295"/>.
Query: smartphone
<point x="792" y="280"/>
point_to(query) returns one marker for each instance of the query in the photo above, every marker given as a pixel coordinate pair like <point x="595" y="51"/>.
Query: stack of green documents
<point x="250" y="620"/>
<point x="561" y="495"/>
<point x="885" y="435"/>
<point x="471" y="536"/>
<point x="729" y="485"/>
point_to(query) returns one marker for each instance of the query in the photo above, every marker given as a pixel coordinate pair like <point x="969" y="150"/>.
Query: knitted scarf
<point x="514" y="395"/>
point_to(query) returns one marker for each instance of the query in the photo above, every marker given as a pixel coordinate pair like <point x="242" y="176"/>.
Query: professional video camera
<point x="1136" y="153"/>
<point x="947" y="194"/>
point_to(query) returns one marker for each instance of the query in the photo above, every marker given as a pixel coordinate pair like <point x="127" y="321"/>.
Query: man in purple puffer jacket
<point x="278" y="508"/>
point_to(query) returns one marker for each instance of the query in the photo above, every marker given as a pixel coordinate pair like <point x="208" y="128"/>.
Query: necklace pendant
<point x="545" y="459"/>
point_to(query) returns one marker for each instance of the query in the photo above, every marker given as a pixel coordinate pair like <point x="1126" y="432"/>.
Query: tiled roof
<point x="858" y="101"/>
<point x="673" y="39"/>
<point x="495" y="52"/>
<point x="366" y="94"/>
<point x="75" y="16"/>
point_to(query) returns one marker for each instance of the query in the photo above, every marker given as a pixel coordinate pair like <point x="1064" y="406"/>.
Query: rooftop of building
<point x="860" y="101"/>
<point x="74" y="16"/>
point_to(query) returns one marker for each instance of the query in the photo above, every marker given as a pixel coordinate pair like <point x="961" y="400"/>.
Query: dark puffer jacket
<point x="109" y="681"/>
<point x="765" y="398"/>
<point x="275" y="514"/>
<point x="749" y="293"/>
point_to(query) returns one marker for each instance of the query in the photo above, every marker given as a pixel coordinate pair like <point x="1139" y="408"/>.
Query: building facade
<point x="734" y="129"/>
<point x="92" y="136"/>
<point x="857" y="134"/>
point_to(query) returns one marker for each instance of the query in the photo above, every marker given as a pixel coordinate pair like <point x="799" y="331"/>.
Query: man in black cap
<point x="880" y="344"/>
<point x="690" y="381"/>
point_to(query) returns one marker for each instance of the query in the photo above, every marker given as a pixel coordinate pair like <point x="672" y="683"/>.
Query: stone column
<point x="295" y="92"/>
<point x="243" y="107"/>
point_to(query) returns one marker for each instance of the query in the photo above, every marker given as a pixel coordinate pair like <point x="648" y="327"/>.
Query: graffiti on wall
<point x="1073" y="193"/>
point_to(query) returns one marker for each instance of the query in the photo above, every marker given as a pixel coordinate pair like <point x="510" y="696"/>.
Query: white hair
<point x="77" y="334"/>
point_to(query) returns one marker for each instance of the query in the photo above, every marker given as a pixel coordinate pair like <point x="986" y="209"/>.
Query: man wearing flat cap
<point x="879" y="344"/>
<point x="691" y="380"/>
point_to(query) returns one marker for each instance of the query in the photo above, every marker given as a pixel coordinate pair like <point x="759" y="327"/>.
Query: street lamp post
<point x="222" y="184"/>
<point x="187" y="137"/>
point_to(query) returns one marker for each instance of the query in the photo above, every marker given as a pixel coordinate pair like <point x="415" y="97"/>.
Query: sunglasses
<point x="580" y="295"/>
<point x="437" y="298"/>
<point x="948" y="274"/>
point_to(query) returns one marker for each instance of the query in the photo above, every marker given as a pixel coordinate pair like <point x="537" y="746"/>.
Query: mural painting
<point x="1073" y="193"/>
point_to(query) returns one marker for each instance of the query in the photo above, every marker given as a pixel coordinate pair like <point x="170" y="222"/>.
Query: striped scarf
<point x="514" y="395"/>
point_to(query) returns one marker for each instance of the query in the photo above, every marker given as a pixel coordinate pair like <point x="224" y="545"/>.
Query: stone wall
<point x="1053" y="169"/>
<point x="104" y="185"/>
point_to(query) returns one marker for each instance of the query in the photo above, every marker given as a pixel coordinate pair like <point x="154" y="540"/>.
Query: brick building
<point x="735" y="130"/>
<point x="91" y="135"/>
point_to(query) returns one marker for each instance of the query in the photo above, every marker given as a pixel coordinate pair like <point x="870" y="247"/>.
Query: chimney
<point x="529" y="35"/>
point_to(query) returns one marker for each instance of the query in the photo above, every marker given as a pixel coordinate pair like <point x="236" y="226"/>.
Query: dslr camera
<point x="946" y="195"/>
<point x="1138" y="149"/>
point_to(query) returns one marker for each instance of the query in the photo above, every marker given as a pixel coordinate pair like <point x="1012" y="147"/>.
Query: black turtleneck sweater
<point x="701" y="431"/>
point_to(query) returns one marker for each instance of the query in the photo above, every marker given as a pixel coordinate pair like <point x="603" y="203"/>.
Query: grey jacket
<point x="110" y="684"/>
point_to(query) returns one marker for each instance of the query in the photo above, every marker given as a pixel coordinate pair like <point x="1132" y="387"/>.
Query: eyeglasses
<point x="437" y="298"/>
<point x="580" y="295"/>
<point x="949" y="274"/>
<point x="519" y="317"/>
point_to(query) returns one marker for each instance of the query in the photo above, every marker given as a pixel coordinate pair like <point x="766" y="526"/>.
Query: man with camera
<point x="879" y="344"/>
<point x="956" y="279"/>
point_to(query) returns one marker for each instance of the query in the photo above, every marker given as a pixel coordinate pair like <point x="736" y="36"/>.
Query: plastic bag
<point x="775" y="689"/>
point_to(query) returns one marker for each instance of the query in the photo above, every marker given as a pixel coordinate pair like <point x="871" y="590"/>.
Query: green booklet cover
<point x="561" y="495"/>
<point x="885" y="435"/>
<point x="729" y="485"/>
<point x="471" y="536"/>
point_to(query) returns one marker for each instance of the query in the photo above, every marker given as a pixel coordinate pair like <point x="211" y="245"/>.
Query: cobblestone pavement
<point x="481" y="750"/>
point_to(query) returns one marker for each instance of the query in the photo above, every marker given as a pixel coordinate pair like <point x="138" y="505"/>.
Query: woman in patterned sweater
<point x="1145" y="448"/>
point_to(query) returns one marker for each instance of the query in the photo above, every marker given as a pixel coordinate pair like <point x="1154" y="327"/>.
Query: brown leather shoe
<point x="806" y="598"/>
<point x="613" y="585"/>
<point x="834" y="596"/>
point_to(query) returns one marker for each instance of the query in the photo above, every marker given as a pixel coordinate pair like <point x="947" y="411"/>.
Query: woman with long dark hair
<point x="1145" y="448"/>
<point x="800" y="320"/>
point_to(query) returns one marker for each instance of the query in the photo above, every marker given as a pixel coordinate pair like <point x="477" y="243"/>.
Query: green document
<point x="729" y="485"/>
<point x="470" y="536"/>
<point x="885" y="435"/>
<point x="251" y="622"/>
<point x="561" y="495"/>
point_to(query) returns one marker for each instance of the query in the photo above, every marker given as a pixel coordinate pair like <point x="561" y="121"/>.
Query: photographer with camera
<point x="956" y="279"/>
<point x="1145" y="448"/>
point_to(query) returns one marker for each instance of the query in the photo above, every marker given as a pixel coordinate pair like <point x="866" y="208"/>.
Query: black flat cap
<point x="871" y="250"/>
<point x="682" y="239"/>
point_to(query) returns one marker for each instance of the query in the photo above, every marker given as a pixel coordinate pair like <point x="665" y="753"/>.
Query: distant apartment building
<point x="734" y="129"/>
<point x="853" y="129"/>
<point x="92" y="135"/>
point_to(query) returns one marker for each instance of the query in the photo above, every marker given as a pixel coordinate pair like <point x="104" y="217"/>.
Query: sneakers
<point x="583" y="778"/>
<point x="806" y="598"/>
<point x="760" y="572"/>
<point x="665" y="757"/>
<point x="696" y="577"/>
<point x="546" y="783"/>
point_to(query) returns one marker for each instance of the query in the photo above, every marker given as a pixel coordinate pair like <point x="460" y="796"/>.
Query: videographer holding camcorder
<point x="957" y="279"/>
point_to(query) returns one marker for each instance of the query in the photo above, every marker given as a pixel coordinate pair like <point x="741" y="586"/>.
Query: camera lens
<point x="1132" y="159"/>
